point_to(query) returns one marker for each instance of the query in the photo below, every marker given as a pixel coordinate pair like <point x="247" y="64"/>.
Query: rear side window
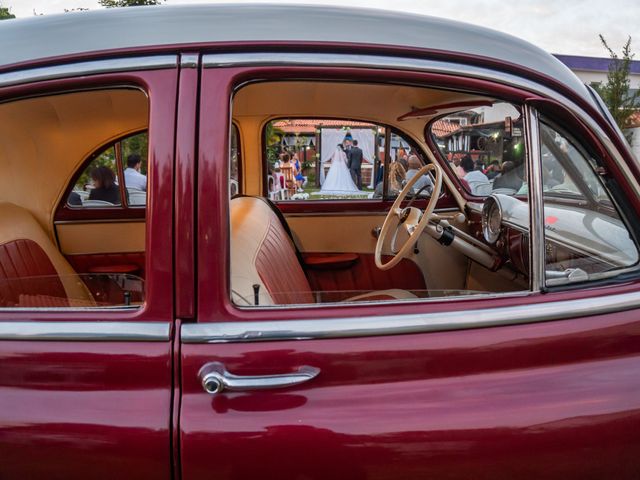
<point x="115" y="177"/>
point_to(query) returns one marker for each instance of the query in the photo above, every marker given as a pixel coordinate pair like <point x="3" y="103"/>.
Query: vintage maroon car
<point x="299" y="242"/>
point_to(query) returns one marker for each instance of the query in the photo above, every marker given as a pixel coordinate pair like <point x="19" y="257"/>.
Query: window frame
<point x="159" y="76"/>
<point x="620" y="205"/>
<point x="64" y="211"/>
<point x="232" y="307"/>
<point x="222" y="73"/>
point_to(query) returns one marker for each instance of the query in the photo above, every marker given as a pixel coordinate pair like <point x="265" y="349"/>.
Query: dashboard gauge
<point x="491" y="220"/>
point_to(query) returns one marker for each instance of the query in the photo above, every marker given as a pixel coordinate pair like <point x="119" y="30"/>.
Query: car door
<point x="85" y="389"/>
<point x="539" y="385"/>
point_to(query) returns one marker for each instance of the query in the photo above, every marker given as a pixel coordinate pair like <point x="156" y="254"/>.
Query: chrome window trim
<point x="189" y="60"/>
<point x="94" y="67"/>
<point x="348" y="327"/>
<point x="85" y="331"/>
<point x="312" y="59"/>
<point x="536" y="206"/>
<point x="221" y="60"/>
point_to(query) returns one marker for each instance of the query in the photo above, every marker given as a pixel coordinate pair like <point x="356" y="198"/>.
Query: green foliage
<point x="616" y="92"/>
<point x="106" y="159"/>
<point x="136" y="144"/>
<point x="127" y="3"/>
<point x="5" y="14"/>
<point x="272" y="139"/>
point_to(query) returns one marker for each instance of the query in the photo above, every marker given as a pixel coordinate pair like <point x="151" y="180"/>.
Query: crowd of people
<point x="288" y="162"/>
<point x="481" y="179"/>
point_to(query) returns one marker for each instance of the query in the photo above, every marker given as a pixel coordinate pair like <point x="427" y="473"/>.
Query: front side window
<point x="484" y="147"/>
<point x="350" y="251"/>
<point x="586" y="236"/>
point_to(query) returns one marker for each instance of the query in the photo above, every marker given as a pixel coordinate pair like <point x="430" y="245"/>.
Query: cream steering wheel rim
<point x="412" y="213"/>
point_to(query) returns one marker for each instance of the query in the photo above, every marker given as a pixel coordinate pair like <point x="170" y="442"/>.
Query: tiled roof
<point x="442" y="127"/>
<point x="634" y="120"/>
<point x="309" y="125"/>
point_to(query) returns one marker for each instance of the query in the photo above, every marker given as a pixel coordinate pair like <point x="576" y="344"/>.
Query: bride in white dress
<point x="338" y="180"/>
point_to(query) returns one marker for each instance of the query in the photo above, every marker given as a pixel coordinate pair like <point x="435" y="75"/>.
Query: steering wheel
<point x="412" y="219"/>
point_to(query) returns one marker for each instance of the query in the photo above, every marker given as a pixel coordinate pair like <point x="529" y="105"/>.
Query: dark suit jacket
<point x="355" y="158"/>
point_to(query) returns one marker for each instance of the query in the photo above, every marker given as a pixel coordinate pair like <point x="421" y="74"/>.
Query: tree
<point x="127" y="3"/>
<point x="616" y="92"/>
<point x="5" y="13"/>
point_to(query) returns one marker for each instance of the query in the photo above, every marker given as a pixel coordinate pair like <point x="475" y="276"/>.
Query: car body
<point x="503" y="344"/>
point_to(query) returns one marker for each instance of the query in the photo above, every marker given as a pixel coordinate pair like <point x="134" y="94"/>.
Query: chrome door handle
<point x="215" y="379"/>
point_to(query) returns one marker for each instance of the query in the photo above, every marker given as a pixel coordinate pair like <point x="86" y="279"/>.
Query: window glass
<point x="97" y="186"/>
<point x="404" y="163"/>
<point x="134" y="162"/>
<point x="484" y="147"/>
<point x="321" y="159"/>
<point x="234" y="163"/>
<point x="585" y="234"/>
<point x="82" y="257"/>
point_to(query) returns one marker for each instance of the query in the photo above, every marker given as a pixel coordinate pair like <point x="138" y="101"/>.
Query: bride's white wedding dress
<point x="338" y="180"/>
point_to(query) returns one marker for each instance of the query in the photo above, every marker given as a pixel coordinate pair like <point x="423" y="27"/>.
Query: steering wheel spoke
<point x="410" y="219"/>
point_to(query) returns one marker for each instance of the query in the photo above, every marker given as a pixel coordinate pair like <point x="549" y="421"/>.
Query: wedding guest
<point x="509" y="177"/>
<point x="297" y="172"/>
<point x="424" y="181"/>
<point x="132" y="176"/>
<point x="454" y="163"/>
<point x="493" y="170"/>
<point x="397" y="178"/>
<point x="104" y="186"/>
<point x="477" y="180"/>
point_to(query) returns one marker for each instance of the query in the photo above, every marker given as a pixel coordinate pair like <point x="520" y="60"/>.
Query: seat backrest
<point x="263" y="255"/>
<point x="32" y="271"/>
<point x="480" y="188"/>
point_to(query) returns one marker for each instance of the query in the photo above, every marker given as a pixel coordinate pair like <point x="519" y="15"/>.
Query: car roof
<point x="49" y="36"/>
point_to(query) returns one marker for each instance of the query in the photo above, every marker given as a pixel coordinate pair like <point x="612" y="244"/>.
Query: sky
<point x="568" y="26"/>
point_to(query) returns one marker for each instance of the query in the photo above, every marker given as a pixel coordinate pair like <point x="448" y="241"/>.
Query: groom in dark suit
<point x="354" y="162"/>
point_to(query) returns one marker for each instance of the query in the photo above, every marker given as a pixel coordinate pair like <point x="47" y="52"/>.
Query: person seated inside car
<point x="132" y="176"/>
<point x="105" y="187"/>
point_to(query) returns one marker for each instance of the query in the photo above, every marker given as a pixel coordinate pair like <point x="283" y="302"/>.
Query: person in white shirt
<point x="478" y="181"/>
<point x="132" y="176"/>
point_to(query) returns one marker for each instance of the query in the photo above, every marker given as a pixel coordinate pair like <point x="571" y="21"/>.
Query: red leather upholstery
<point x="88" y="263"/>
<point x="278" y="267"/>
<point x="264" y="266"/>
<point x="365" y="276"/>
<point x="26" y="271"/>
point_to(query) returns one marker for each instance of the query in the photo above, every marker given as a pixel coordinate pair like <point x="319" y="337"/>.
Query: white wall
<point x="588" y="77"/>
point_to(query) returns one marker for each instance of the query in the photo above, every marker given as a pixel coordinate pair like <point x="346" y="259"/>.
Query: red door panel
<point x="77" y="410"/>
<point x="550" y="400"/>
<point x="108" y="263"/>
